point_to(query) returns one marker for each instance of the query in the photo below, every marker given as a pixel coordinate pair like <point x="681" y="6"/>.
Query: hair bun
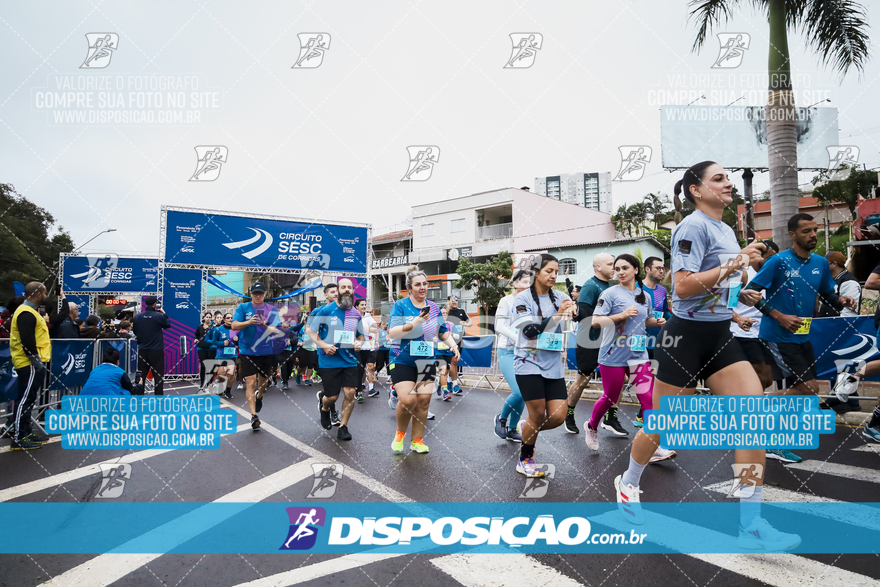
<point x="412" y="268"/>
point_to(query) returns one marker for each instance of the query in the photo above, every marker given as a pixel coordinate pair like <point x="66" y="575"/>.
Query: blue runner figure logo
<point x="303" y="532"/>
<point x="99" y="267"/>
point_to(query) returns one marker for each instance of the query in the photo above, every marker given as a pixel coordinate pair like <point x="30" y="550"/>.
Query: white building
<point x="484" y="224"/>
<point x="590" y="190"/>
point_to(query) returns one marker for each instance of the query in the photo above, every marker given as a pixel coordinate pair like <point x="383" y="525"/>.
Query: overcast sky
<point x="330" y="142"/>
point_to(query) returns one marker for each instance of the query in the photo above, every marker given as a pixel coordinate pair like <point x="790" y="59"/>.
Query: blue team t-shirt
<point x="330" y="323"/>
<point x="256" y="339"/>
<point x="217" y="339"/>
<point x="621" y="344"/>
<point x="405" y="311"/>
<point x="792" y="284"/>
<point x="701" y="243"/>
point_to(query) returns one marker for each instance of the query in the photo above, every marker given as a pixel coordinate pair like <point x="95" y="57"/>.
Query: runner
<point x="696" y="342"/>
<point x="306" y="354"/>
<point x="506" y="421"/>
<point x="223" y="341"/>
<point x="460" y="320"/>
<point x="384" y="347"/>
<point x="623" y="313"/>
<point x="588" y="343"/>
<point x="260" y="324"/>
<point x="337" y="328"/>
<point x="414" y="322"/>
<point x="538" y="356"/>
<point x="203" y="345"/>
<point x="287" y="359"/>
<point x="654" y="272"/>
<point x="746" y="323"/>
<point x="444" y="359"/>
<point x="331" y="293"/>
<point x="367" y="354"/>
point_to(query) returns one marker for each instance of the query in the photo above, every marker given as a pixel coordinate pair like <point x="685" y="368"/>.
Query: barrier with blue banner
<point x="219" y="239"/>
<point x="840" y="341"/>
<point x="71" y="362"/>
<point x="8" y="380"/>
<point x="108" y="272"/>
<point x="476" y="351"/>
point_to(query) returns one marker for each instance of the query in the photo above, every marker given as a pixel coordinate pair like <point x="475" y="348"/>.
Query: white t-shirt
<point x="370" y="338"/>
<point x="748" y="312"/>
<point x="504" y="317"/>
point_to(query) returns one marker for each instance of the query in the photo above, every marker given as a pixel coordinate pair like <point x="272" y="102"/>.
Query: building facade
<point x="482" y="225"/>
<point x="590" y="190"/>
<point x="391" y="252"/>
<point x="836" y="214"/>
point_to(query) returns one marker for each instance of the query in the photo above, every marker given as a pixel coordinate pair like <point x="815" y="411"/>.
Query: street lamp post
<point x="93" y="238"/>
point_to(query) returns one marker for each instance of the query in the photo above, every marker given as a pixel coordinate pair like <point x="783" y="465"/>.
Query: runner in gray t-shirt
<point x="540" y="349"/>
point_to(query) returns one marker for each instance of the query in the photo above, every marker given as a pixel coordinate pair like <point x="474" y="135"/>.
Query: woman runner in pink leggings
<point x="624" y="308"/>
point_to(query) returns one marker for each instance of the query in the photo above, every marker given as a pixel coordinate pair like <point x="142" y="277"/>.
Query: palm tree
<point x="837" y="31"/>
<point x="656" y="205"/>
<point x="623" y="220"/>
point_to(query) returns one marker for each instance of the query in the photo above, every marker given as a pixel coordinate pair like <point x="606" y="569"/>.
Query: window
<point x="457" y="225"/>
<point x="570" y="264"/>
<point x="427" y="230"/>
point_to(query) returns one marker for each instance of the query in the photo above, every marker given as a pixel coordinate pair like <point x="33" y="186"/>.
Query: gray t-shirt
<point x="699" y="244"/>
<point x="622" y="343"/>
<point x="528" y="358"/>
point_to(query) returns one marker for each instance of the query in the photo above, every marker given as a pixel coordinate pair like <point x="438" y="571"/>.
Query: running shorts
<point x="334" y="380"/>
<point x="401" y="372"/>
<point x="793" y="360"/>
<point x="690" y="350"/>
<point x="264" y="365"/>
<point x="539" y="387"/>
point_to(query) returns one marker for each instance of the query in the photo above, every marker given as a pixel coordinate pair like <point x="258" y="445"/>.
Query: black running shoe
<point x="374" y="393"/>
<point x="25" y="444"/>
<point x="38" y="436"/>
<point x="359" y="396"/>
<point x="255" y="422"/>
<point x="570" y="425"/>
<point x="343" y="433"/>
<point x="259" y="404"/>
<point x="612" y="424"/>
<point x="334" y="416"/>
<point x="228" y="393"/>
<point x="325" y="420"/>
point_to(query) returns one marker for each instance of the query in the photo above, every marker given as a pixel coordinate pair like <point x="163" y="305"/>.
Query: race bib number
<point x="637" y="342"/>
<point x="733" y="299"/>
<point x="657" y="315"/>
<point x="805" y="327"/>
<point x="229" y="351"/>
<point x="343" y="337"/>
<point x="550" y="341"/>
<point x="421" y="348"/>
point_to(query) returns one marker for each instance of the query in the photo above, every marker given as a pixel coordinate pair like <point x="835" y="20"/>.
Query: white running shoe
<point x="760" y="535"/>
<point x="847" y="384"/>
<point x="430" y="415"/>
<point x="662" y="454"/>
<point x="591" y="436"/>
<point x="628" y="503"/>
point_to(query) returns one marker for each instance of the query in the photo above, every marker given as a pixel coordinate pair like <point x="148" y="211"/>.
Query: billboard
<point x="219" y="239"/>
<point x="109" y="272"/>
<point x="736" y="136"/>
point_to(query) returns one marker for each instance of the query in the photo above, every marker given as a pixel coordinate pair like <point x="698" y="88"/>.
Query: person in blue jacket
<point x="108" y="378"/>
<point x="224" y="341"/>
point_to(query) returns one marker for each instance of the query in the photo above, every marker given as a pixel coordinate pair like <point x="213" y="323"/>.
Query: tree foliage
<point x="488" y="280"/>
<point x="846" y="191"/>
<point x="29" y="243"/>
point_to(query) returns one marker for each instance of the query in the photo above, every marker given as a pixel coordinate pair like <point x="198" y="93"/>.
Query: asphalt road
<point x="467" y="463"/>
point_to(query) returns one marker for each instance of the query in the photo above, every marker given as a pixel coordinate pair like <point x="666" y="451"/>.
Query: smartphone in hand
<point x="426" y="311"/>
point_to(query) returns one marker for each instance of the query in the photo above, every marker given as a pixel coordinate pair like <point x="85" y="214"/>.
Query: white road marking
<point x="777" y="569"/>
<point x="854" y="514"/>
<point x="111" y="567"/>
<point x="500" y="570"/>
<point x="318" y="570"/>
<point x="61" y="478"/>
<point x="869" y="448"/>
<point x="847" y="471"/>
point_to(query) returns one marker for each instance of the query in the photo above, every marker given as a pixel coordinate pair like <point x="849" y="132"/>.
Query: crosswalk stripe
<point x="485" y="570"/>
<point x="61" y="478"/>
<point x="838" y="470"/>
<point x="776" y="569"/>
<point x="868" y="448"/>
<point x="318" y="570"/>
<point x="111" y="567"/>
<point x="857" y="515"/>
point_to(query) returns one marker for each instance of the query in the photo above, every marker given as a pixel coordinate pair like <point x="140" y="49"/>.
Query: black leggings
<point x="381" y="359"/>
<point x="204" y="354"/>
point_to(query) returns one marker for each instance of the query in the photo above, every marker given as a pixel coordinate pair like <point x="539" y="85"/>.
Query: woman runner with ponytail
<point x="696" y="344"/>
<point x="413" y="324"/>
<point x="624" y="313"/>
<point x="538" y="315"/>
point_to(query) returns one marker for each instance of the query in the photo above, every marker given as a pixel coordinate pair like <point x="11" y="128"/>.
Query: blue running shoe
<point x="872" y="433"/>
<point x="784" y="455"/>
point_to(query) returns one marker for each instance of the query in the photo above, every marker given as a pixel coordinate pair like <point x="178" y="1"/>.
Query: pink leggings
<point x="613" y="379"/>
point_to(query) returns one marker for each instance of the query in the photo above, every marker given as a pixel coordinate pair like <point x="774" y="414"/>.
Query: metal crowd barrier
<point x="72" y="361"/>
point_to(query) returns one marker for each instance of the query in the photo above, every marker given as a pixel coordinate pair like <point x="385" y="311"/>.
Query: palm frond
<point x="708" y="13"/>
<point x="837" y="30"/>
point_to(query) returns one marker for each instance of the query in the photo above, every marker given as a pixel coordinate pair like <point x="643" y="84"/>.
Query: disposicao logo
<point x="303" y="531"/>
<point x="258" y="234"/>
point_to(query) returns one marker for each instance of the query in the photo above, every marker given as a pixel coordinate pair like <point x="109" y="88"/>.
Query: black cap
<point x="258" y="287"/>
